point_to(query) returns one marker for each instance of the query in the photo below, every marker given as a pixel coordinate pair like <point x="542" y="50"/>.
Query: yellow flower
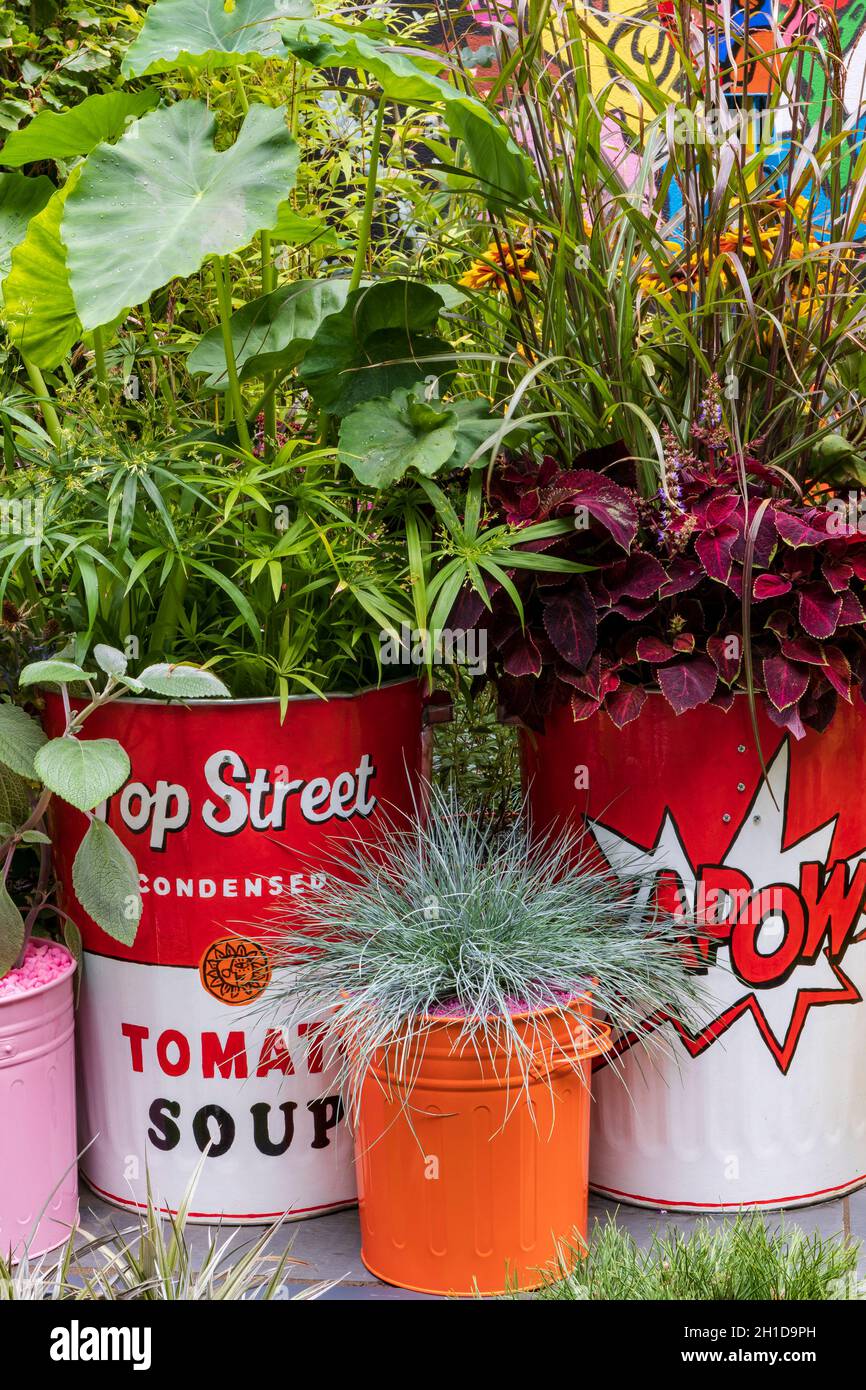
<point x="499" y="268"/>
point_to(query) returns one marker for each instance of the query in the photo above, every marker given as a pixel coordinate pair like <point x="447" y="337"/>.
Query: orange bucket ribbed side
<point x="471" y="1184"/>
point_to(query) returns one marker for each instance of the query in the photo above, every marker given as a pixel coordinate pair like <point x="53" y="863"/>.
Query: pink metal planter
<point x="38" y="1168"/>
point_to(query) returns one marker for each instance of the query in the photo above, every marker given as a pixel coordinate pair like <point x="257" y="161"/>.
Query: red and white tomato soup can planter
<point x="765" y="1106"/>
<point x="228" y="813"/>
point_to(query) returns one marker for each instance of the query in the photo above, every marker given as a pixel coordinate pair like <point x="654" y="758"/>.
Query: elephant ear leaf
<point x="20" y="201"/>
<point x="380" y="341"/>
<point x="162" y="200"/>
<point x="68" y="134"/>
<point x="502" y="172"/>
<point x="269" y="333"/>
<point x="382" y="439"/>
<point x="213" y="33"/>
<point x="40" y="312"/>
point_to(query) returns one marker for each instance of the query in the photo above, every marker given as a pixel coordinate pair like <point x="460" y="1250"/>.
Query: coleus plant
<point x="85" y="773"/>
<point x="716" y="585"/>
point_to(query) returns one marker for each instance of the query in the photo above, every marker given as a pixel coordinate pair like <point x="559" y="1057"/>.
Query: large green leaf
<point x="83" y="772"/>
<point x="380" y="340"/>
<point x="183" y="682"/>
<point x="269" y="333"/>
<point x="504" y="173"/>
<point x="54" y="671"/>
<point x="15" y="798"/>
<point x="160" y="201"/>
<point x="11" y="932"/>
<point x="67" y="134"/>
<point x="297" y="230"/>
<point x="20" y="200"/>
<point x="382" y="439"/>
<point x="20" y="741"/>
<point x="38" y="304"/>
<point x="216" y="33"/>
<point x="105" y="879"/>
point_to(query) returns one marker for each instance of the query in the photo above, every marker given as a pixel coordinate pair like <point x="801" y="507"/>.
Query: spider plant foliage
<point x="152" y="1260"/>
<point x="445" y="918"/>
<point x="687" y="237"/>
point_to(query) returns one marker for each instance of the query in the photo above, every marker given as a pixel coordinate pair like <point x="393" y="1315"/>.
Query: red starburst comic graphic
<point x="768" y="873"/>
<point x="772" y="921"/>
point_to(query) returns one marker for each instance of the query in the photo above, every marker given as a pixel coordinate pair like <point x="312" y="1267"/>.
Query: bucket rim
<point x="26" y="994"/>
<point x="584" y="996"/>
<point x="188" y="702"/>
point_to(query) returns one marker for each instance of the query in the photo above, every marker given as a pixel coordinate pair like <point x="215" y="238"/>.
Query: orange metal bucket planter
<point x="467" y="1183"/>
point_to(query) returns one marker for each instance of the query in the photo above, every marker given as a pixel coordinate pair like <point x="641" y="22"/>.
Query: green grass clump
<point x="742" y="1260"/>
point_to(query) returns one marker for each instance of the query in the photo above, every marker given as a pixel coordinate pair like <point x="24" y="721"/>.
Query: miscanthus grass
<point x="443" y="914"/>
<point x="743" y="1260"/>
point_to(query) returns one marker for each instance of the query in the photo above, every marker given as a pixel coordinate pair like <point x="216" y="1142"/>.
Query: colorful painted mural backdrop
<point x="634" y="31"/>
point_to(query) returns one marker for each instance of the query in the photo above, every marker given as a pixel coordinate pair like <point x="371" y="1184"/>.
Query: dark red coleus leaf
<point x="683" y="574"/>
<point x="785" y="682"/>
<point x="838" y="672"/>
<point x="596" y="681"/>
<point x="571" y="625"/>
<point x="688" y="683"/>
<point x="625" y="704"/>
<point x="780" y="622"/>
<point x="788" y="719"/>
<point x="796" y="564"/>
<point x="764" y="543"/>
<point x="818" y="708"/>
<point x="716" y="510"/>
<point x="640" y="576"/>
<point x="634" y="610"/>
<point x="819" y="610"/>
<point x="837" y="575"/>
<point x="684" y="642"/>
<point x="723" y="699"/>
<point x="522" y="657"/>
<point x="583" y="706"/>
<point x="852" y="609"/>
<point x="714" y="552"/>
<point x="726" y="653"/>
<point x="800" y="530"/>
<point x="653" y="650"/>
<point x="770" y="586"/>
<point x="804" y="649"/>
<point x="604" y="500"/>
<point x="468" y="607"/>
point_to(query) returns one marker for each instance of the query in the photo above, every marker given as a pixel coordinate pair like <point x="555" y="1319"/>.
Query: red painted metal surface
<point x="230" y="815"/>
<point x="765" y="1104"/>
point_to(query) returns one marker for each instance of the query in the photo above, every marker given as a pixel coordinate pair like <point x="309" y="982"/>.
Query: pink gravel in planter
<point x="43" y="964"/>
<point x="453" y="1009"/>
